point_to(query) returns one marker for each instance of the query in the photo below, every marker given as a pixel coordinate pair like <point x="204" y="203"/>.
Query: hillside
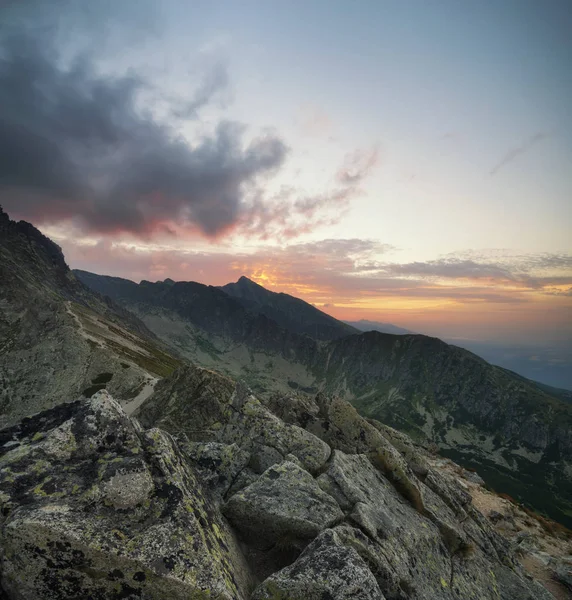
<point x="58" y="338"/>
<point x="514" y="431"/>
<point x="517" y="435"/>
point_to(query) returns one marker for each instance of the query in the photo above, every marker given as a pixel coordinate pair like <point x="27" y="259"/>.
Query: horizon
<point x="392" y="163"/>
<point x="548" y="364"/>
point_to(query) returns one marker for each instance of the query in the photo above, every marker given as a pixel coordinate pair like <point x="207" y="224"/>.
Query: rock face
<point x="207" y="407"/>
<point x="94" y="507"/>
<point x="229" y="501"/>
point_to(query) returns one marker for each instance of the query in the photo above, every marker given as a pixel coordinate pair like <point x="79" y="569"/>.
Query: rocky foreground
<point x="224" y="497"/>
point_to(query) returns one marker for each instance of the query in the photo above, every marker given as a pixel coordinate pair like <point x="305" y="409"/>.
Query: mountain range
<point x="67" y="333"/>
<point x="231" y="463"/>
<point x="516" y="432"/>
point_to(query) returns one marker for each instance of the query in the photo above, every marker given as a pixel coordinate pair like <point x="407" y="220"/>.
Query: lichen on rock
<point x="120" y="515"/>
<point x="221" y="498"/>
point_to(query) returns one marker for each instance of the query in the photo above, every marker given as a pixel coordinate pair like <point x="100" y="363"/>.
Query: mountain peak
<point x="288" y="311"/>
<point x="244" y="280"/>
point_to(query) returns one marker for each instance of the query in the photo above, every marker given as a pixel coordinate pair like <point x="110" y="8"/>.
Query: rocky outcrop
<point x="369" y="517"/>
<point x="227" y="500"/>
<point x="326" y="569"/>
<point x="206" y="407"/>
<point x="222" y="498"/>
<point x="94" y="507"/>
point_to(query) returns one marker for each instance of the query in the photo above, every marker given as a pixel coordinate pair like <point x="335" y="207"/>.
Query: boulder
<point x="94" y="507"/>
<point x="327" y="569"/>
<point x="284" y="503"/>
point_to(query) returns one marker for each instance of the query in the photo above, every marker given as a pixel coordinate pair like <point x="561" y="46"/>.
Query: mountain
<point x="287" y="311"/>
<point x="549" y="363"/>
<point x="211" y="493"/>
<point x="208" y="327"/>
<point x="62" y="338"/>
<point x="58" y="339"/>
<point x="517" y="434"/>
<point x="364" y="325"/>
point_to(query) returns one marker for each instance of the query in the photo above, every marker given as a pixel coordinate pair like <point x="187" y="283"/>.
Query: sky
<point x="407" y="162"/>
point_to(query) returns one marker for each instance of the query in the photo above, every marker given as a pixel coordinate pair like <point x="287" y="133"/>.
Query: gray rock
<point x="264" y="457"/>
<point x="93" y="507"/>
<point x="495" y="516"/>
<point x="285" y="502"/>
<point x="563" y="572"/>
<point x="218" y="464"/>
<point x="473" y="477"/>
<point x="326" y="569"/>
<point x="209" y="407"/>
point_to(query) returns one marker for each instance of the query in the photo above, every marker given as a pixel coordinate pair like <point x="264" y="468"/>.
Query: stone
<point x="216" y="409"/>
<point x="264" y="457"/>
<point x="219" y="465"/>
<point x="93" y="507"/>
<point x="563" y="572"/>
<point x="327" y="569"/>
<point x="495" y="516"/>
<point x="285" y="502"/>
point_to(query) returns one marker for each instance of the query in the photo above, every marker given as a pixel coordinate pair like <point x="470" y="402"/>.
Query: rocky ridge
<point x="515" y="432"/>
<point x="226" y="497"/>
<point x="95" y="506"/>
<point x="58" y="338"/>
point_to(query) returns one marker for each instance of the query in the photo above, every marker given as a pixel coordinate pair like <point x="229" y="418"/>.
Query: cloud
<point x="358" y="165"/>
<point x="84" y="147"/>
<point x="452" y="268"/>
<point x="515" y="152"/>
<point x="214" y="84"/>
<point x="330" y="271"/>
<point x="75" y="146"/>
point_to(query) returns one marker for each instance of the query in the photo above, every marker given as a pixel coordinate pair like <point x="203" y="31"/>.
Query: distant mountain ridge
<point x="365" y="325"/>
<point x="289" y="312"/>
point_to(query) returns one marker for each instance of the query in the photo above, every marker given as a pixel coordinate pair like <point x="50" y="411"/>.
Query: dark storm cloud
<point x="73" y="145"/>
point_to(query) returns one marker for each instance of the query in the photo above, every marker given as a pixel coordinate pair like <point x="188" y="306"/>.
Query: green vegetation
<point x="98" y="383"/>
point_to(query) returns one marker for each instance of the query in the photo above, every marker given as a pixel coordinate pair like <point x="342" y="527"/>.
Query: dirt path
<point x="131" y="406"/>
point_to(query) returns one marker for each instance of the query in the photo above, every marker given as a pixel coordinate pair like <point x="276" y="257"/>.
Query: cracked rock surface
<point x="225" y="497"/>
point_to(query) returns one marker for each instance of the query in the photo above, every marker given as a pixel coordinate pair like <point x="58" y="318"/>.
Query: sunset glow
<point x="411" y="173"/>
